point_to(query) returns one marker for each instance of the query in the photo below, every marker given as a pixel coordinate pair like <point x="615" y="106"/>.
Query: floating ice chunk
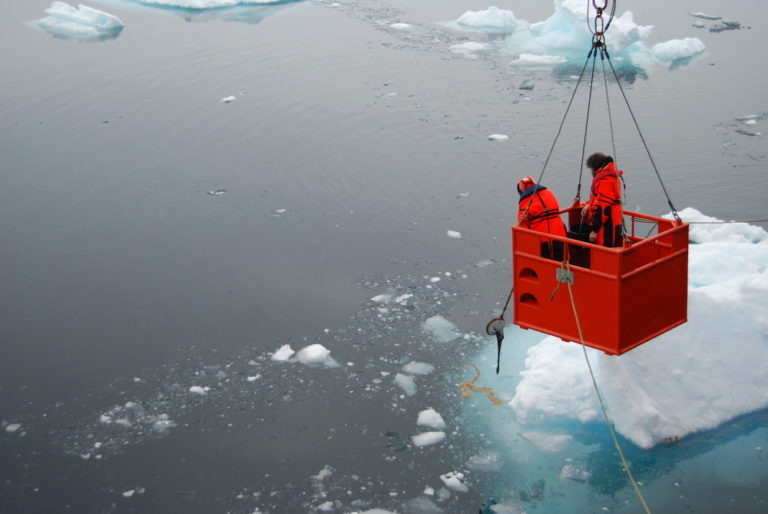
<point x="82" y="24"/>
<point x="430" y="418"/>
<point x="400" y="26"/>
<point x="498" y="137"/>
<point x="316" y="355"/>
<point x="455" y="482"/>
<point x="406" y="383"/>
<point x="382" y="298"/>
<point x="434" y="279"/>
<point x="12" y="427"/>
<point x="666" y="388"/>
<point x="217" y="192"/>
<point x="429" y="491"/>
<point x="377" y="511"/>
<point x="441" y="330"/>
<point x="453" y="234"/>
<point x="253" y="378"/>
<point x="678" y="51"/>
<point x="470" y="48"/>
<point x="283" y="354"/>
<point x="324" y="473"/>
<point x="428" y="438"/>
<point x="704" y="16"/>
<point x="129" y="493"/>
<point x="418" y="368"/>
<point x="199" y="390"/>
<point x="227" y="99"/>
<point x="564" y="35"/>
<point x="325" y="507"/>
<point x="550" y="443"/>
<point x="537" y="61"/>
<point x="492" y="20"/>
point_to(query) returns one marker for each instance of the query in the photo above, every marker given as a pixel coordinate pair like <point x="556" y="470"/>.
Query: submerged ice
<point x="82" y="23"/>
<point x="565" y="36"/>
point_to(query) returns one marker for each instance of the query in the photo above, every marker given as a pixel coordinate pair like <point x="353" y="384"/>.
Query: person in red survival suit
<point x="604" y="207"/>
<point x="540" y="211"/>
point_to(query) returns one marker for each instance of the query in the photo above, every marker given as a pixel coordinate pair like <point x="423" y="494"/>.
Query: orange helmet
<point x="525" y="183"/>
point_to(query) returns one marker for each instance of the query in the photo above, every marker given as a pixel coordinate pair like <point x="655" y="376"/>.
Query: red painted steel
<point x="624" y="296"/>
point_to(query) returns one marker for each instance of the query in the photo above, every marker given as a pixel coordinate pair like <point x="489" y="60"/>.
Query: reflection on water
<point x="158" y="245"/>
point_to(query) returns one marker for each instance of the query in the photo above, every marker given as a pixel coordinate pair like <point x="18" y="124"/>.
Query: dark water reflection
<point x="350" y="150"/>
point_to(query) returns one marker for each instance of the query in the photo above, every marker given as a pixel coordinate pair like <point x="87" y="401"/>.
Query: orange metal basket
<point x="624" y="296"/>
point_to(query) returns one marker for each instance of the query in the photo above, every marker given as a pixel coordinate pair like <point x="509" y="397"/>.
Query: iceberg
<point x="692" y="379"/>
<point x="82" y="23"/>
<point x="565" y="37"/>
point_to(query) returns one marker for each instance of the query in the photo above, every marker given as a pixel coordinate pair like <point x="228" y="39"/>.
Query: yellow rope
<point x="602" y="403"/>
<point x="467" y="386"/>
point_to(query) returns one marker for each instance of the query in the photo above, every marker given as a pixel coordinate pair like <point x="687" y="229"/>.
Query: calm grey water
<point x="350" y="150"/>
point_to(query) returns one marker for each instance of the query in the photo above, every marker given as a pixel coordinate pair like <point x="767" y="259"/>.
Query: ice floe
<point x="430" y="418"/>
<point x="455" y="482"/>
<point x="428" y="438"/>
<point x="82" y="23"/>
<point x="693" y="378"/>
<point x="566" y="37"/>
<point x="316" y="355"/>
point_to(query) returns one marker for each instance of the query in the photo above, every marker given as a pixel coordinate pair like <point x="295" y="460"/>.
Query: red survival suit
<point x="605" y="212"/>
<point x="539" y="210"/>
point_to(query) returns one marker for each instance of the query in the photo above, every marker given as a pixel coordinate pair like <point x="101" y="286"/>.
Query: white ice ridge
<point x="206" y="4"/>
<point x="693" y="378"/>
<point x="565" y="35"/>
<point x="83" y="23"/>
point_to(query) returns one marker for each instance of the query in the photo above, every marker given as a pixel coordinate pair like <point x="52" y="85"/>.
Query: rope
<point x="565" y="115"/>
<point x="642" y="138"/>
<point x="602" y="402"/>
<point x="586" y="122"/>
<point x="608" y="101"/>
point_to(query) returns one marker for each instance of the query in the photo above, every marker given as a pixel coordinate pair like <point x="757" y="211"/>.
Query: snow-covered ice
<point x="316" y="355"/>
<point x="428" y="438"/>
<point x="498" y="137"/>
<point x="565" y="36"/>
<point x="430" y="418"/>
<point x="455" y="482"/>
<point x="82" y="23"/>
<point x="492" y="20"/>
<point x="406" y="383"/>
<point x="693" y="378"/>
<point x="283" y="354"/>
<point x="453" y="234"/>
<point x="199" y="390"/>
